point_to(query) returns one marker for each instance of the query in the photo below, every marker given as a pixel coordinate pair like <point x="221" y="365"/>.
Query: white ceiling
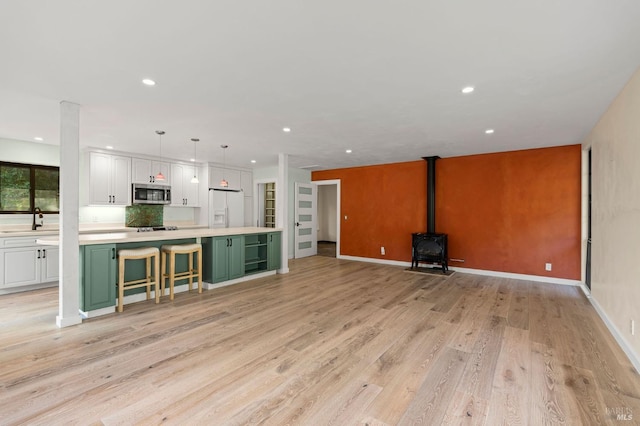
<point x="382" y="78"/>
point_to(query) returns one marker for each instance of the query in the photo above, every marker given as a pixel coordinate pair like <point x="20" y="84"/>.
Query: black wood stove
<point x="430" y="246"/>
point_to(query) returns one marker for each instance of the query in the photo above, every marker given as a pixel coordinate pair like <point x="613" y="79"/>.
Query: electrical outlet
<point x="547" y="266"/>
<point x="382" y="250"/>
<point x="633" y="327"/>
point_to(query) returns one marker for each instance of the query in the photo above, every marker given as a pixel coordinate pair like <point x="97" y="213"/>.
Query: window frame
<point x="32" y="188"/>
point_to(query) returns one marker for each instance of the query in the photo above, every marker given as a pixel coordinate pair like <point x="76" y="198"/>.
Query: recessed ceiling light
<point x="149" y="82"/>
<point x="468" y="89"/>
<point x="286" y="129"/>
<point x="192" y="159"/>
<point x="348" y="151"/>
<point x="38" y="138"/>
<point x="253" y="161"/>
<point x="109" y="147"/>
<point x="489" y="131"/>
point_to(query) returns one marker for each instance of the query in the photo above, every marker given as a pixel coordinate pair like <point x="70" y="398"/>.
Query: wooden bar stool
<point x="147" y="253"/>
<point x="192" y="271"/>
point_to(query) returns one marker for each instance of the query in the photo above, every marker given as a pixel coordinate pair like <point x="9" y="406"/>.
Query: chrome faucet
<point x="35" y="225"/>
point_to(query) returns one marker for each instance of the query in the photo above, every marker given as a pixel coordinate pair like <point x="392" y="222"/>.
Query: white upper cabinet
<point x="216" y="174"/>
<point x="145" y="171"/>
<point x="109" y="179"/>
<point x="183" y="192"/>
<point x="246" y="182"/>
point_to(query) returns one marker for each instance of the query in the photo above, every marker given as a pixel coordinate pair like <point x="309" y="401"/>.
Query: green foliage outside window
<point x="24" y="187"/>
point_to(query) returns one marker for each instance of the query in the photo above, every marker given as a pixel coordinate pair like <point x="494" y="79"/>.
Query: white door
<point x="305" y="237"/>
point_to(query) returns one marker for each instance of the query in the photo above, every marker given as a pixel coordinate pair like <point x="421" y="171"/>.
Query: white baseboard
<point x="622" y="342"/>
<point x="633" y="357"/>
<point x="18" y="289"/>
<point x="68" y="321"/>
<point x="375" y="260"/>
<point x="525" y="277"/>
<point x="97" y="312"/>
<point x="210" y="286"/>
<point x="537" y="278"/>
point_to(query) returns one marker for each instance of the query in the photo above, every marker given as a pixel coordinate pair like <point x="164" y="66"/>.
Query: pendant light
<point x="160" y="176"/>
<point x="224" y="183"/>
<point x="194" y="179"/>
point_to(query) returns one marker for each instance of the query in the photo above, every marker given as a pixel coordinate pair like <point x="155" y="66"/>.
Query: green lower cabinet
<point x="273" y="251"/>
<point x="223" y="258"/>
<point x="98" y="276"/>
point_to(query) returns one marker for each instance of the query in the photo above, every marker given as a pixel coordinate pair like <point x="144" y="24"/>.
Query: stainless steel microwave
<point x="145" y="193"/>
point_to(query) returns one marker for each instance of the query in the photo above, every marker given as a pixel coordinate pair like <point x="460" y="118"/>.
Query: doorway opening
<point x="266" y="204"/>
<point x="328" y="218"/>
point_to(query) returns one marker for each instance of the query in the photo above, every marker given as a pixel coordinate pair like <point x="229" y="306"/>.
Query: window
<point x="26" y="186"/>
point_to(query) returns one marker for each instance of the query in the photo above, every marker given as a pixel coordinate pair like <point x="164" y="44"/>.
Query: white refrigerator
<point x="226" y="208"/>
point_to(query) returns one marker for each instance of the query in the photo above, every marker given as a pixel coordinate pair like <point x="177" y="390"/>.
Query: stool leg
<point x="172" y="273"/>
<point x="190" y="270"/>
<point x="163" y="270"/>
<point x="120" y="283"/>
<point x="199" y="270"/>
<point x="148" y="273"/>
<point x="156" y="270"/>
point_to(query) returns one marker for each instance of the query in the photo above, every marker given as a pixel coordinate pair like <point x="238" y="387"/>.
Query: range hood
<point x="218" y="188"/>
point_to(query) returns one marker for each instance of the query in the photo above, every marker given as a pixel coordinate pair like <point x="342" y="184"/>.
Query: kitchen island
<point x="230" y="255"/>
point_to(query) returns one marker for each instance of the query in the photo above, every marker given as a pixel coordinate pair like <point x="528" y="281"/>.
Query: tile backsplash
<point x="144" y="215"/>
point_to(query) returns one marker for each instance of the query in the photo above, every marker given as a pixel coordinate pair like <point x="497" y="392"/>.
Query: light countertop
<point x="7" y="231"/>
<point x="132" y="236"/>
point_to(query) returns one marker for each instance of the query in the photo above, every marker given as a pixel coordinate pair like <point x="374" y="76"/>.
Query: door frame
<point x="338" y="209"/>
<point x="256" y="195"/>
<point x="584" y="181"/>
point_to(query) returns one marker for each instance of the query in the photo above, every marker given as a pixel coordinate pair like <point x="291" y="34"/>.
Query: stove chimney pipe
<point x="431" y="193"/>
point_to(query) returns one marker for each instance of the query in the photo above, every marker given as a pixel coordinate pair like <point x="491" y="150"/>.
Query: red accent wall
<point x="384" y="204"/>
<point x="510" y="211"/>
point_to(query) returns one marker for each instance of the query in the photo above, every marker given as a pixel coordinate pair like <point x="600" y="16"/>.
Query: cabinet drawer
<point x="18" y="241"/>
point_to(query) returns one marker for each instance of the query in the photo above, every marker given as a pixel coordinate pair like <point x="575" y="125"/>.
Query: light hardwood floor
<point x="332" y="342"/>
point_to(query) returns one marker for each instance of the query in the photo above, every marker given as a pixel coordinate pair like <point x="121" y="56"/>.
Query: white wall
<point x="16" y="151"/>
<point x="615" y="143"/>
<point x="327" y="206"/>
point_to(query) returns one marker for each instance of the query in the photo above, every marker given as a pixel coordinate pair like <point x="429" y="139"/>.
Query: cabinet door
<point x="248" y="212"/>
<point x="165" y="168"/>
<point x="273" y="250"/>
<point x="121" y="181"/>
<point x="236" y="256"/>
<point x="21" y="266"/>
<point x="99" y="178"/>
<point x="145" y="171"/>
<point x="50" y="268"/>
<point x="220" y="259"/>
<point x="98" y="280"/>
<point x="246" y="182"/>
<point x="216" y="174"/>
<point x="141" y="170"/>
<point x="177" y="188"/>
<point x="190" y="190"/>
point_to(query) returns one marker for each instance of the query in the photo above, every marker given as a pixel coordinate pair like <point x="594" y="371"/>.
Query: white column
<point x="282" y="210"/>
<point x="69" y="293"/>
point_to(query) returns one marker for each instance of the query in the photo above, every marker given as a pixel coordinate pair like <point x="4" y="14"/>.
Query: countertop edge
<point x="130" y="237"/>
